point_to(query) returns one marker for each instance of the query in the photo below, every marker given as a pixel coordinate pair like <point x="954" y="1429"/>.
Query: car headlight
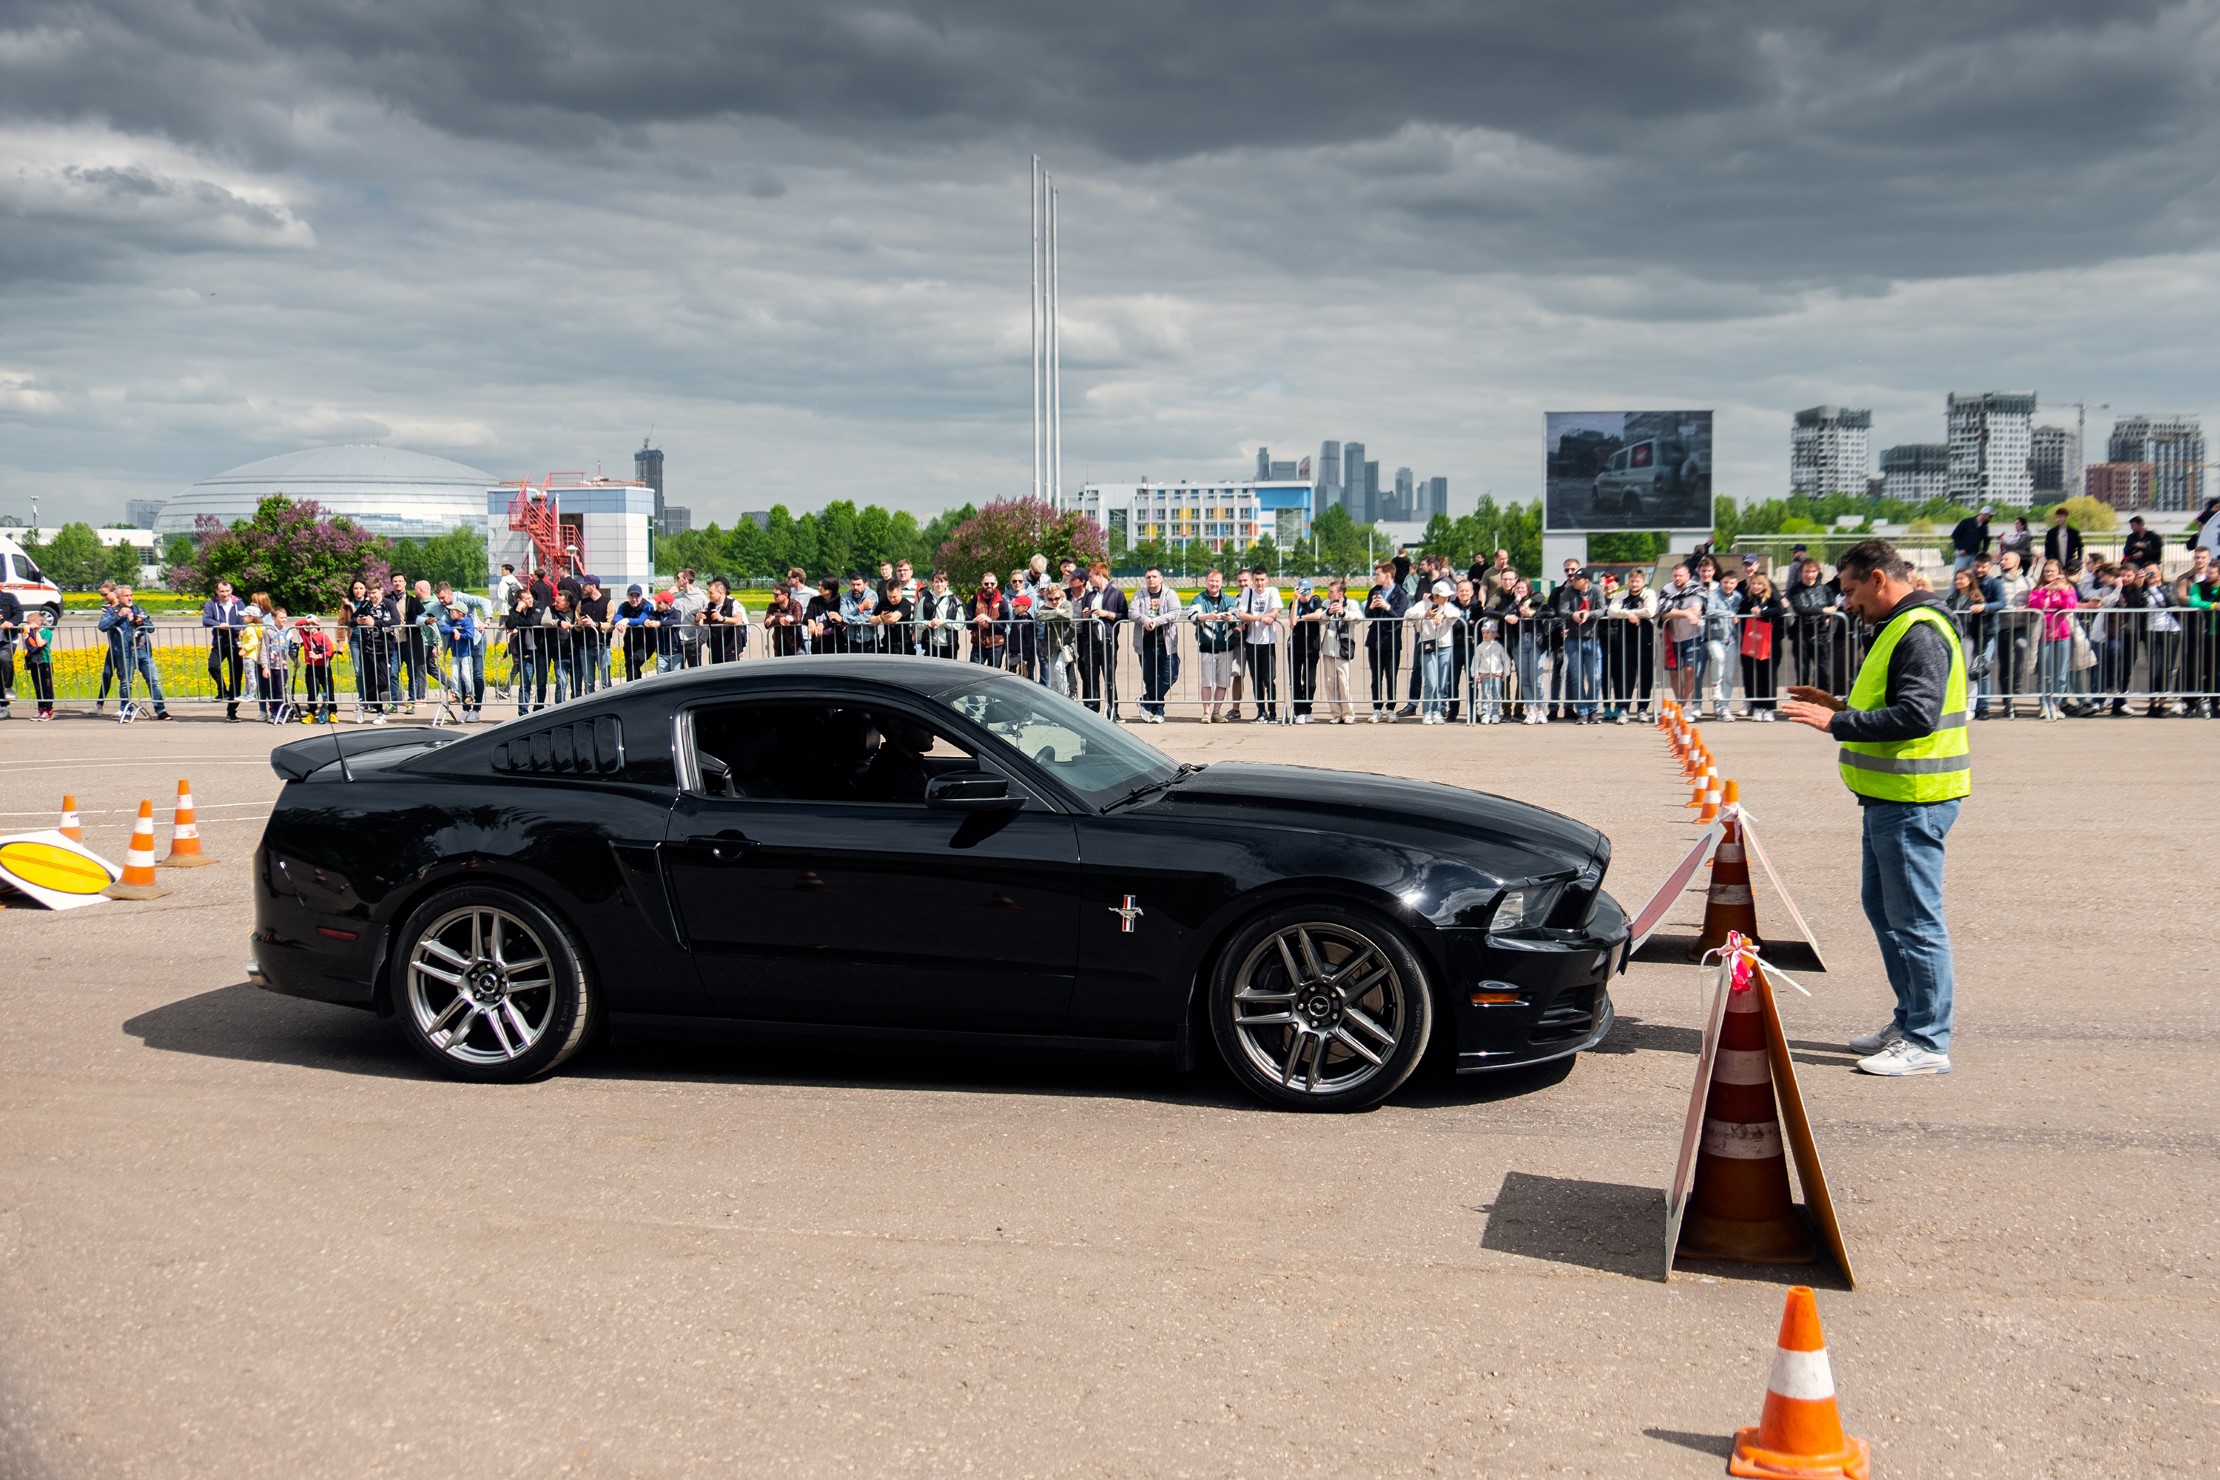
<point x="1525" y="907"/>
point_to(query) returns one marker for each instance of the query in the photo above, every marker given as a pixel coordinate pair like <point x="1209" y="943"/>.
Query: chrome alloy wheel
<point x="1319" y="1007"/>
<point x="480" y="985"/>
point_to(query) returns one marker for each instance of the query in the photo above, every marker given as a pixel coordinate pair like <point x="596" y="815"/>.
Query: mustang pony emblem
<point x="1127" y="913"/>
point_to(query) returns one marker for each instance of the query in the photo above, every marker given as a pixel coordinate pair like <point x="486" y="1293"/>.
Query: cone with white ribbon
<point x="138" y="864"/>
<point x="185" y="833"/>
<point x="70" y="827"/>
<point x="1730" y="908"/>
<point x="1799" y="1434"/>
<point x="1740" y="1208"/>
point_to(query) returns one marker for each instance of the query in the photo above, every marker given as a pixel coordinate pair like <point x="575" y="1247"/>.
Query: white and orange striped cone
<point x="1715" y="796"/>
<point x="185" y="833"/>
<point x="70" y="827"/>
<point x="1799" y="1434"/>
<point x="138" y="864"/>
<point x="1730" y="908"/>
<point x="1739" y="1207"/>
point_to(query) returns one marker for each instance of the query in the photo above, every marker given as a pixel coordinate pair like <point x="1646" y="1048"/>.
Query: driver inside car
<point x="897" y="770"/>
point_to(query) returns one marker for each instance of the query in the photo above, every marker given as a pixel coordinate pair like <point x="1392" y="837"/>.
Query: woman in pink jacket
<point x="2055" y="597"/>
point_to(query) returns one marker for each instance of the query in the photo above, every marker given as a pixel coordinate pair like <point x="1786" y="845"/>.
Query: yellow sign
<point x="58" y="873"/>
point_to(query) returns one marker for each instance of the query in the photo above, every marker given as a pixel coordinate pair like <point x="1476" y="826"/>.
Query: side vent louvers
<point x="586" y="747"/>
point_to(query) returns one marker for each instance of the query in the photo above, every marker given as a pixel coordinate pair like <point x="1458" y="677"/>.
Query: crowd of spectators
<point x="1422" y="640"/>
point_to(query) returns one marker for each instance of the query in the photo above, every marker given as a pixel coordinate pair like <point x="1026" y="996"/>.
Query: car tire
<point x="490" y="987"/>
<point x="1320" y="1007"/>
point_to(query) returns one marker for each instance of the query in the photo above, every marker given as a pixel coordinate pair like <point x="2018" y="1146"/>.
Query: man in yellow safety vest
<point x="1904" y="756"/>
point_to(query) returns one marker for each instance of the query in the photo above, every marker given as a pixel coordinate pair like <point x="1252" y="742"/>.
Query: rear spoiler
<point x="301" y="759"/>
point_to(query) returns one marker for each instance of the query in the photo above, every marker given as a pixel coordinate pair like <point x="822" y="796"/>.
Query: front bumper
<point x="1531" y="998"/>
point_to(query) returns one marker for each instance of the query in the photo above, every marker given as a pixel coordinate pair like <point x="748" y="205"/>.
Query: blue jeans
<point x="1584" y="676"/>
<point x="1903" y="897"/>
<point x="1436" y="690"/>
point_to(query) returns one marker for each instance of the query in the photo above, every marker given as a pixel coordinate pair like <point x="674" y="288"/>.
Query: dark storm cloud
<point x="1849" y="144"/>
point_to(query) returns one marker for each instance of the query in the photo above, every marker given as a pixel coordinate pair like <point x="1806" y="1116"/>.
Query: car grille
<point x="1572" y="1014"/>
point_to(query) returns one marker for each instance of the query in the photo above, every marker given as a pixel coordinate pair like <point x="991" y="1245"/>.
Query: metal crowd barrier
<point x="2161" y="659"/>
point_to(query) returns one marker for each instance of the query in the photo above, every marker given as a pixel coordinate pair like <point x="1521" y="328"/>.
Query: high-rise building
<point x="1224" y="517"/>
<point x="142" y="512"/>
<point x="2174" y="446"/>
<point x="1263" y="463"/>
<point x="2054" y="462"/>
<point x="2125" y="486"/>
<point x="1436" y="502"/>
<point x="1374" y="506"/>
<point x="1989" y="435"/>
<point x="647" y="467"/>
<point x="1327" y="485"/>
<point x="1352" y="482"/>
<point x="1916" y="471"/>
<point x="1828" y="452"/>
<point x="1405" y="506"/>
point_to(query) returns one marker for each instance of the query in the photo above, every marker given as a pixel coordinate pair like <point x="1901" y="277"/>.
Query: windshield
<point x="1078" y="747"/>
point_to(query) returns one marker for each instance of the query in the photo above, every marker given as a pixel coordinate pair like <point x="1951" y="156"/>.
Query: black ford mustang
<point x="928" y="850"/>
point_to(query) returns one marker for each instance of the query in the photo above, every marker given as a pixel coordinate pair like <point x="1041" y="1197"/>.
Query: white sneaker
<point x="1905" y="1057"/>
<point x="1878" y="1039"/>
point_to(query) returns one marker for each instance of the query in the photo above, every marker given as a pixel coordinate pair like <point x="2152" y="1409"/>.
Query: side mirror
<point x="971" y="791"/>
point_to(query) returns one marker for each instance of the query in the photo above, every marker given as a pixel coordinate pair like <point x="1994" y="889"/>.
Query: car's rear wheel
<point x="492" y="988"/>
<point x="1320" y="1007"/>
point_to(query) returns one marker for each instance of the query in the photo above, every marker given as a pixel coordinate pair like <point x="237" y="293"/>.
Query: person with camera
<point x="527" y="627"/>
<point x="130" y="634"/>
<point x="1099" y="611"/>
<point x="1385" y="607"/>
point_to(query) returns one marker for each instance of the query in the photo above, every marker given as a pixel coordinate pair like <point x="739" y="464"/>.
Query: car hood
<point x="1518" y="839"/>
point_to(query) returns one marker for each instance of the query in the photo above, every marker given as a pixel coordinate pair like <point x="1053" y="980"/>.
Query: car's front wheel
<point x="491" y="988"/>
<point x="1320" y="1007"/>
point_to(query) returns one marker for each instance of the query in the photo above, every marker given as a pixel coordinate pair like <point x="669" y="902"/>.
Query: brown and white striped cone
<point x="70" y="827"/>
<point x="138" y="864"/>
<point x="1740" y="1207"/>
<point x="185" y="833"/>
<point x="1729" y="905"/>
<point x="1799" y="1434"/>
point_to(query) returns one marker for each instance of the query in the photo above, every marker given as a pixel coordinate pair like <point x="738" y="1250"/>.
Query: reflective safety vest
<point x="1935" y="767"/>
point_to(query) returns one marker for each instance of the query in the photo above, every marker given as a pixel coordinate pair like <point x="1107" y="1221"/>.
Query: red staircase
<point x="558" y="544"/>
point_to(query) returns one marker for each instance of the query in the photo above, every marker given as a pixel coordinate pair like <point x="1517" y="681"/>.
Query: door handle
<point x="725" y="847"/>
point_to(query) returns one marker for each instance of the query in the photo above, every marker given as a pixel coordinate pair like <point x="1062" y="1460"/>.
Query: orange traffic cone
<point x="1799" y="1433"/>
<point x="1729" y="907"/>
<point x="1696" y="796"/>
<point x="185" y="833"/>
<point x="69" y="827"/>
<point x="1740" y="1207"/>
<point x="1688" y="763"/>
<point x="1714" y="798"/>
<point x="138" y="865"/>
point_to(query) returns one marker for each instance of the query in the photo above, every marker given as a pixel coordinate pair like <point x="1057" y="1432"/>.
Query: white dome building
<point x="386" y="490"/>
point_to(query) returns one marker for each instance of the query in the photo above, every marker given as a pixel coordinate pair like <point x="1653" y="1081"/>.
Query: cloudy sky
<point x="791" y="237"/>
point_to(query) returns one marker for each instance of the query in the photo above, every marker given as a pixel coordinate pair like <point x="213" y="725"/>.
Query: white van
<point x="20" y="575"/>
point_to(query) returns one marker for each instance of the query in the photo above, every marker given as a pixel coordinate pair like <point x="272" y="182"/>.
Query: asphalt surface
<point x="245" y="1235"/>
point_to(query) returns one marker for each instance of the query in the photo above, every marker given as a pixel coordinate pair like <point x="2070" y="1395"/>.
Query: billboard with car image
<point x="1608" y="471"/>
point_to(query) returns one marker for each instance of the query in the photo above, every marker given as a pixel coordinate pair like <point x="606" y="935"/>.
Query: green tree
<point x="122" y="562"/>
<point x="457" y="557"/>
<point x="698" y="550"/>
<point x="937" y="529"/>
<point x="2089" y="515"/>
<point x="835" y="531"/>
<point x="75" y="560"/>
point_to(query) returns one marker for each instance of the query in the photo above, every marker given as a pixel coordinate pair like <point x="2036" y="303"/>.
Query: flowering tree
<point x="293" y="550"/>
<point x="1004" y="535"/>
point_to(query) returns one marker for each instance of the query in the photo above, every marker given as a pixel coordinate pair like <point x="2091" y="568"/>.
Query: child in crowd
<point x="1492" y="662"/>
<point x="318" y="698"/>
<point x="38" y="659"/>
<point x="250" y="663"/>
<point x="277" y="669"/>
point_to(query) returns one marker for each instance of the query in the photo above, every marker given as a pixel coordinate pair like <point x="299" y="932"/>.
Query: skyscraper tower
<point x="647" y="467"/>
<point x="1326" y="488"/>
<point x="1352" y="482"/>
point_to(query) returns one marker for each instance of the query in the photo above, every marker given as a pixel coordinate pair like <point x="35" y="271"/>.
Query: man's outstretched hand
<point x="1806" y="705"/>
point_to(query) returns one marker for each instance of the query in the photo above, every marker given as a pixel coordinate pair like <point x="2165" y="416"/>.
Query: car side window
<point x="814" y="752"/>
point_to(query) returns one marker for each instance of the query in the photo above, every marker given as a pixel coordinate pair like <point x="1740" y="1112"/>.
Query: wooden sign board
<point x="1757" y="849"/>
<point x="1647" y="919"/>
<point x="1692" y="1126"/>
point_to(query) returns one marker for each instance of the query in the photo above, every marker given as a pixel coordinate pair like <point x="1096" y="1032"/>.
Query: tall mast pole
<point x="1055" y="361"/>
<point x="1033" y="313"/>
